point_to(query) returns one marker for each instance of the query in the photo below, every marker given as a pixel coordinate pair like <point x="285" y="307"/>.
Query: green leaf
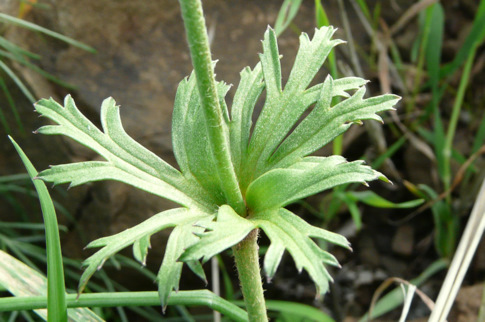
<point x="288" y="231"/>
<point x="56" y="290"/>
<point x="127" y="160"/>
<point x="273" y="144"/>
<point x="325" y="123"/>
<point x="283" y="108"/>
<point x="191" y="139"/>
<point x="24" y="283"/>
<point x="112" y="244"/>
<point x="247" y="94"/>
<point x="168" y="277"/>
<point x="372" y="199"/>
<point x="140" y="249"/>
<point x="280" y="187"/>
<point x="447" y="224"/>
<point x="226" y="231"/>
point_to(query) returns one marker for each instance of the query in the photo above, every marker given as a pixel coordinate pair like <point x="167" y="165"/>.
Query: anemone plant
<point x="232" y="181"/>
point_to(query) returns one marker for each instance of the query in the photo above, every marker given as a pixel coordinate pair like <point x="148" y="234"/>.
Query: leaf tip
<point x="385" y="179"/>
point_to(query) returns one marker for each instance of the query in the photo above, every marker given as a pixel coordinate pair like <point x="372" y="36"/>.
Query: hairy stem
<point x="247" y="261"/>
<point x="201" y="59"/>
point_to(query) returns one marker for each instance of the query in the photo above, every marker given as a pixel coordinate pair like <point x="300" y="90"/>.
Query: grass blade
<point x="57" y="310"/>
<point x="13" y="108"/>
<point x="476" y="35"/>
<point x="455" y="115"/>
<point x="287" y="13"/>
<point x="31" y="26"/>
<point x="17" y="81"/>
<point x="27" y="284"/>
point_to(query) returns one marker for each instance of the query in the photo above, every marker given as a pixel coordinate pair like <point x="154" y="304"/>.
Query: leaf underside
<point x="271" y="161"/>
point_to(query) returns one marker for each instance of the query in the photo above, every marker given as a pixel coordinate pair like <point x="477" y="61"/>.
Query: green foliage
<point x="10" y="52"/>
<point x="271" y="163"/>
<point x="22" y="281"/>
<point x="55" y="271"/>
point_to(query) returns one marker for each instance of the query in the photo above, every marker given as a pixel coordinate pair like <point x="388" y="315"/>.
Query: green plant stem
<point x="247" y="262"/>
<point x="454" y="116"/>
<point x="201" y="59"/>
<point x="113" y="299"/>
<point x="419" y="68"/>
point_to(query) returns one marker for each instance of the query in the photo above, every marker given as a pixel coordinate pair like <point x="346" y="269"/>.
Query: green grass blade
<point x="17" y="81"/>
<point x="450" y="134"/>
<point x="322" y="20"/>
<point x="20" y="59"/>
<point x="433" y="48"/>
<point x="479" y="137"/>
<point x="3" y="120"/>
<point x="301" y="312"/>
<point x="365" y="9"/>
<point x="372" y="199"/>
<point x="13" y="108"/>
<point x="476" y="35"/>
<point x="376" y="164"/>
<point x="287" y="13"/>
<point x="31" y="26"/>
<point x="57" y="310"/>
<point x="16" y="50"/>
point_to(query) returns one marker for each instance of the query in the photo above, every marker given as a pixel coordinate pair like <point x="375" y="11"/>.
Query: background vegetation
<point x="431" y="147"/>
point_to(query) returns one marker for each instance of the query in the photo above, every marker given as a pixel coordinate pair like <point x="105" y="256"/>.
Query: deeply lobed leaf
<point x="226" y="231"/>
<point x="283" y="108"/>
<point x="247" y="94"/>
<point x="127" y="160"/>
<point x="273" y="144"/>
<point x="280" y="187"/>
<point x="168" y="276"/>
<point x="326" y="122"/>
<point x="191" y="139"/>
<point x="272" y="164"/>
<point x="112" y="244"/>
<point x="288" y="231"/>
